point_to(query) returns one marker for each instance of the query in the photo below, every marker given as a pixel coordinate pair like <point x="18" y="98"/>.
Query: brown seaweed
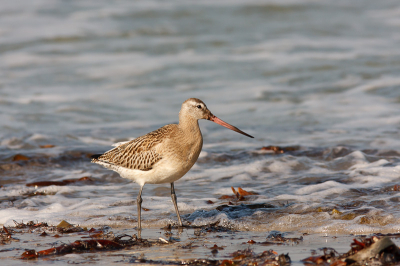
<point x="79" y="245"/>
<point x="240" y="195"/>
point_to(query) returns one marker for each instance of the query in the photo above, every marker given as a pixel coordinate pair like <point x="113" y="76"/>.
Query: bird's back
<point x="139" y="154"/>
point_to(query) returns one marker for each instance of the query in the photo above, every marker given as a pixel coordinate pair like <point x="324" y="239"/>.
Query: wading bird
<point x="163" y="155"/>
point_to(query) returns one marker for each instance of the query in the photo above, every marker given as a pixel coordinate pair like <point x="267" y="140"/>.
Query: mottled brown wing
<point x="140" y="153"/>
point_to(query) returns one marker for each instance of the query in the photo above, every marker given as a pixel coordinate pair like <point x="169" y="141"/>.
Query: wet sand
<point x="208" y="245"/>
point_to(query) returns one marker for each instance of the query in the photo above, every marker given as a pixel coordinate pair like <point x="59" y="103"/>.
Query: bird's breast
<point x="184" y="152"/>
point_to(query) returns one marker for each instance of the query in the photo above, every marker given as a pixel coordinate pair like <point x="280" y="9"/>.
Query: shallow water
<point x="320" y="76"/>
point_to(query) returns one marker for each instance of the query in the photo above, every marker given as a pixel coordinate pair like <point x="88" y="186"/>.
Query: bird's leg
<point x="173" y="196"/>
<point x="139" y="209"/>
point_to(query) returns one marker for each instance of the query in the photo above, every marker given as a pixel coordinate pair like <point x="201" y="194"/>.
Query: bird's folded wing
<point x="139" y="154"/>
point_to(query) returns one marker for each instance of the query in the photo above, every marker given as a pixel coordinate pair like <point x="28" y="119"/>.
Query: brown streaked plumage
<point x="163" y="155"/>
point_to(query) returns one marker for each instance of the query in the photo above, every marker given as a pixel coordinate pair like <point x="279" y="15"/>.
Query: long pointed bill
<point x="224" y="124"/>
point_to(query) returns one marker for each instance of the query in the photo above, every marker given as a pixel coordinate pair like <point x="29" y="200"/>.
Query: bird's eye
<point x="198" y="106"/>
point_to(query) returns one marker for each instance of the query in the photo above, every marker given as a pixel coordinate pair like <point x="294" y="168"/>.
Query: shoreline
<point x="208" y="245"/>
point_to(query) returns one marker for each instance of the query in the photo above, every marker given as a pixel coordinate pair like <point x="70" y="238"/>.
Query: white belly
<point x="163" y="172"/>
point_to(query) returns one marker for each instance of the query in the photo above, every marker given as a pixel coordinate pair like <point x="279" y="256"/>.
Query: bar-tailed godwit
<point x="163" y="155"/>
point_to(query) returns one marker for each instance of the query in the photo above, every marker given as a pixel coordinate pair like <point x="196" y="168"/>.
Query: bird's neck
<point x="189" y="126"/>
<point x="191" y="139"/>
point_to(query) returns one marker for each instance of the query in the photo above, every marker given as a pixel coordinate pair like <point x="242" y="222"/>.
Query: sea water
<point x="322" y="77"/>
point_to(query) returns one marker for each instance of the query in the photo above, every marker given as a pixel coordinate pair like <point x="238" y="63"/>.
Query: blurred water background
<point x="321" y="77"/>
